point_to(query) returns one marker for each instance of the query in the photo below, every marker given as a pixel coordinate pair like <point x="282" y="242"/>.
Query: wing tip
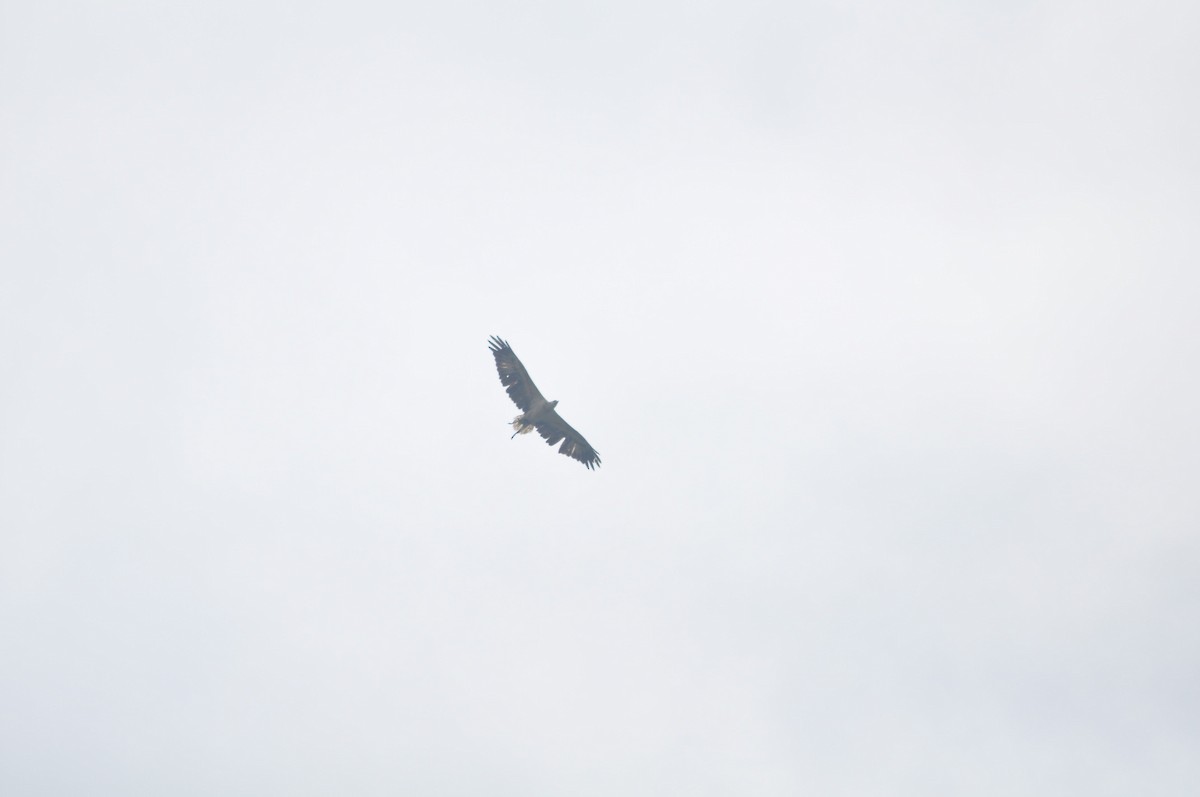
<point x="590" y="458"/>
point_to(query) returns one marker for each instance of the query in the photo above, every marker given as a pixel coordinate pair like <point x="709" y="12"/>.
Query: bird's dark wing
<point x="514" y="377"/>
<point x="553" y="428"/>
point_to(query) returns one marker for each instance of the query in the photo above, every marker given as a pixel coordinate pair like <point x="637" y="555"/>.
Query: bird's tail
<point x="521" y="426"/>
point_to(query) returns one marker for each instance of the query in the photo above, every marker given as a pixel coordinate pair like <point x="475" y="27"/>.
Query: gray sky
<point x="882" y="316"/>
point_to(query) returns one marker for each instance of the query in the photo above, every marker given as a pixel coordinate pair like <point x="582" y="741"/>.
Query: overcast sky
<point x="883" y="317"/>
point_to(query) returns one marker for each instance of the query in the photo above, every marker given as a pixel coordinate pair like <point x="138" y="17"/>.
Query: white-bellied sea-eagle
<point x="536" y="412"/>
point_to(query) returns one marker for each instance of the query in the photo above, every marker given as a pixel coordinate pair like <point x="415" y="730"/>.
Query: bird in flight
<point x="536" y="412"/>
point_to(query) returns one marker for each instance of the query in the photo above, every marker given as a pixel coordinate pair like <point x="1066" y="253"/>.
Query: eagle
<point x="536" y="412"/>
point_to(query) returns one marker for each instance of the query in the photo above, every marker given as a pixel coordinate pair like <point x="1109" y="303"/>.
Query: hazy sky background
<point x="883" y="317"/>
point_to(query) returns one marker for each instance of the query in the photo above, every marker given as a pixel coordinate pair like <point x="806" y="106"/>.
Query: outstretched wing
<point x="514" y="377"/>
<point x="553" y="428"/>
